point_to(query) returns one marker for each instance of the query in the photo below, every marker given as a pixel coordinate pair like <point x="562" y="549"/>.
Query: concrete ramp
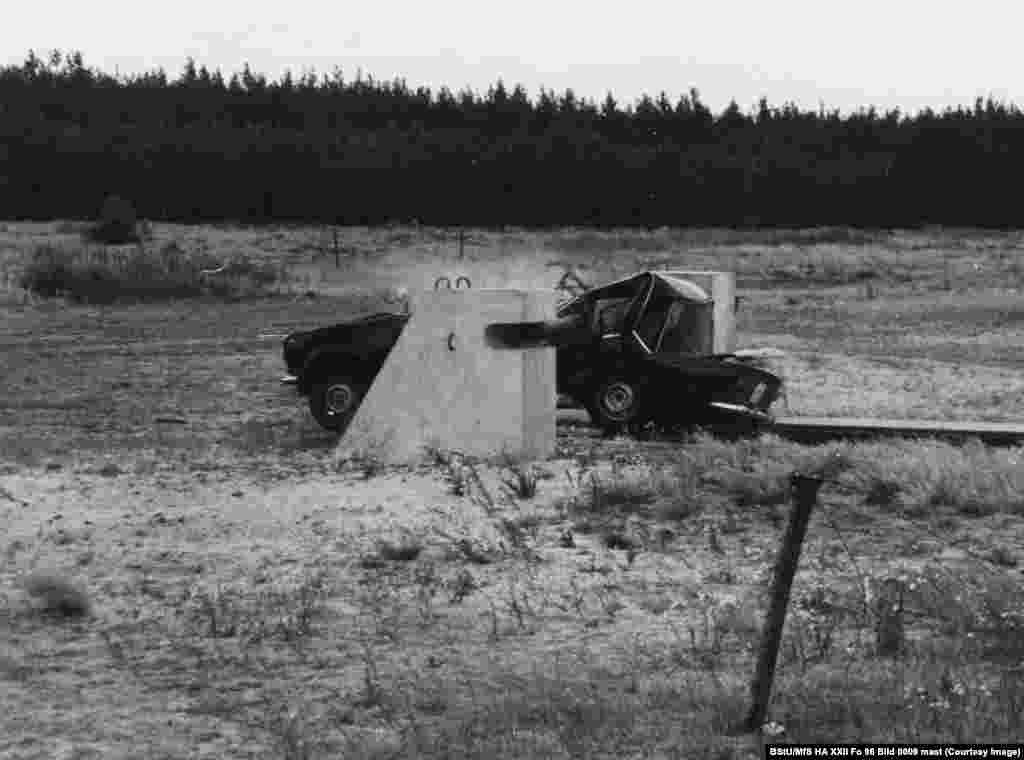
<point x="442" y="384"/>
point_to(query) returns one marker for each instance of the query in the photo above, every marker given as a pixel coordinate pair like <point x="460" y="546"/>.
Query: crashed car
<point x="334" y="366"/>
<point x="634" y="352"/>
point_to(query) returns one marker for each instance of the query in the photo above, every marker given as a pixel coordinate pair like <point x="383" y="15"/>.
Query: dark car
<point x="635" y="351"/>
<point x="335" y="366"/>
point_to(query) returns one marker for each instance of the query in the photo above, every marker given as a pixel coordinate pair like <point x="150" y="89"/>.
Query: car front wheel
<point x="334" y="401"/>
<point x="615" y="404"/>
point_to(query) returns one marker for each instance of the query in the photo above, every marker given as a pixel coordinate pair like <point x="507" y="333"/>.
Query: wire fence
<point x="890" y="602"/>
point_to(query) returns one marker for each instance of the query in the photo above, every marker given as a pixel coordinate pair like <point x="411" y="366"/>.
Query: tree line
<point x="203" y="147"/>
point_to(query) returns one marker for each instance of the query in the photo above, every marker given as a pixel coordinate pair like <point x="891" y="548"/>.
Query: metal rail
<point x="822" y="429"/>
<point x="819" y="429"/>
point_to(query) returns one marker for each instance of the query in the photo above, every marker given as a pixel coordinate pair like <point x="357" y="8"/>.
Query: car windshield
<point x="688" y="329"/>
<point x="672" y="324"/>
<point x="648" y="328"/>
<point x="610" y="313"/>
<point x="612" y="304"/>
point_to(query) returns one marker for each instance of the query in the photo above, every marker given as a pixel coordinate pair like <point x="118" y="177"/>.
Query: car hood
<point x="343" y="327"/>
<point x="713" y="366"/>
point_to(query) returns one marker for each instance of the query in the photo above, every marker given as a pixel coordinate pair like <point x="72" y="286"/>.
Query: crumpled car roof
<point x="685" y="289"/>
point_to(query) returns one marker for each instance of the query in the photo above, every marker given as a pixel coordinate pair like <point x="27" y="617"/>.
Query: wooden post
<point x="462" y="243"/>
<point x="805" y="494"/>
<point x="889" y="632"/>
<point x="337" y="250"/>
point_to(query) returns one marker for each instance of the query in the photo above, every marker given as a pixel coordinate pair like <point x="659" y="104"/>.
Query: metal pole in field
<point x="805" y="495"/>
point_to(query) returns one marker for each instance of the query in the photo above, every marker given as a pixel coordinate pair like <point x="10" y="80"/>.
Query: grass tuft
<point x="521" y="482"/>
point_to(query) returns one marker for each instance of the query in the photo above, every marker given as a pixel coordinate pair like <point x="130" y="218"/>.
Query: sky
<point x="847" y="55"/>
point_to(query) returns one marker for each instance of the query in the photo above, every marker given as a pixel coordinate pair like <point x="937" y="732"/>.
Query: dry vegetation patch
<point x="346" y="615"/>
<point x="85" y="274"/>
<point x="248" y="598"/>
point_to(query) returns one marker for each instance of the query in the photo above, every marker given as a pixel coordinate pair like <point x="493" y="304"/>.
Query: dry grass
<point x="101" y="275"/>
<point x="247" y="599"/>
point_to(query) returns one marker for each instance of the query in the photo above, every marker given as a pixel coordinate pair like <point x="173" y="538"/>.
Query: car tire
<point x="616" y="404"/>
<point x="333" y="401"/>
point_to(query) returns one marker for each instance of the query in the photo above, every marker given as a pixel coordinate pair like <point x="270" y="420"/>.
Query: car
<point x="334" y="366"/>
<point x="633" y="353"/>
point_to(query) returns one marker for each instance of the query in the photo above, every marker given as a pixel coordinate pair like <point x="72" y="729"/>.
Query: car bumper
<point x="746" y="412"/>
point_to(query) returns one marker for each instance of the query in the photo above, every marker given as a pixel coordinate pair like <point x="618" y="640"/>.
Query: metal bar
<point x="817" y="429"/>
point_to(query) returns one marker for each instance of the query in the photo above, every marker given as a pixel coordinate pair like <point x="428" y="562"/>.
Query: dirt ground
<point x="251" y="598"/>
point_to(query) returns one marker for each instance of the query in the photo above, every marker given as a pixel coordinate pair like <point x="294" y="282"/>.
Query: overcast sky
<point x="905" y="53"/>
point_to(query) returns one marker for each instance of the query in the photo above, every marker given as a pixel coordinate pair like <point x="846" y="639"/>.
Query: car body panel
<point x="361" y="344"/>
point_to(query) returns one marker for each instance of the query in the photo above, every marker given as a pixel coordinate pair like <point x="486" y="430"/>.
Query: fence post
<point x="337" y="250"/>
<point x="889" y="633"/>
<point x="462" y="243"/>
<point x="805" y="495"/>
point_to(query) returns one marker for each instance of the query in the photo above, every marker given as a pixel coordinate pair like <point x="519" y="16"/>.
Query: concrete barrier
<point x="443" y="386"/>
<point x="721" y="286"/>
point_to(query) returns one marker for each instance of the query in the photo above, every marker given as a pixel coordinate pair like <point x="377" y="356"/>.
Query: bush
<point x="87" y="275"/>
<point x="116" y="225"/>
<point x="57" y="595"/>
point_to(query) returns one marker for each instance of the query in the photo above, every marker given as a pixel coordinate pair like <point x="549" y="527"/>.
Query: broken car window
<point x="653" y="320"/>
<point x="688" y="329"/>
<point x="610" y="313"/>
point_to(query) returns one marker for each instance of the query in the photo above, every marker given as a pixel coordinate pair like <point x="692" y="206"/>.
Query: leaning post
<point x="805" y="494"/>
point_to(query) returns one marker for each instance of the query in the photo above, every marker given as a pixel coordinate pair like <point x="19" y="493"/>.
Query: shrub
<point x="521" y="482"/>
<point x="116" y="225"/>
<point x="403" y="551"/>
<point x="972" y="479"/>
<point x="57" y="595"/>
<point x="101" y="276"/>
<point x="881" y="491"/>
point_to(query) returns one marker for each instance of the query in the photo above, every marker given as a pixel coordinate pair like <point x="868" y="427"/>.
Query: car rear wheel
<point x="334" y="400"/>
<point x="615" y="404"/>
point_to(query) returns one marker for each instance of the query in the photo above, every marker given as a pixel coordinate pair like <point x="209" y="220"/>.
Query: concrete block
<point x="442" y="385"/>
<point x="721" y="286"/>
